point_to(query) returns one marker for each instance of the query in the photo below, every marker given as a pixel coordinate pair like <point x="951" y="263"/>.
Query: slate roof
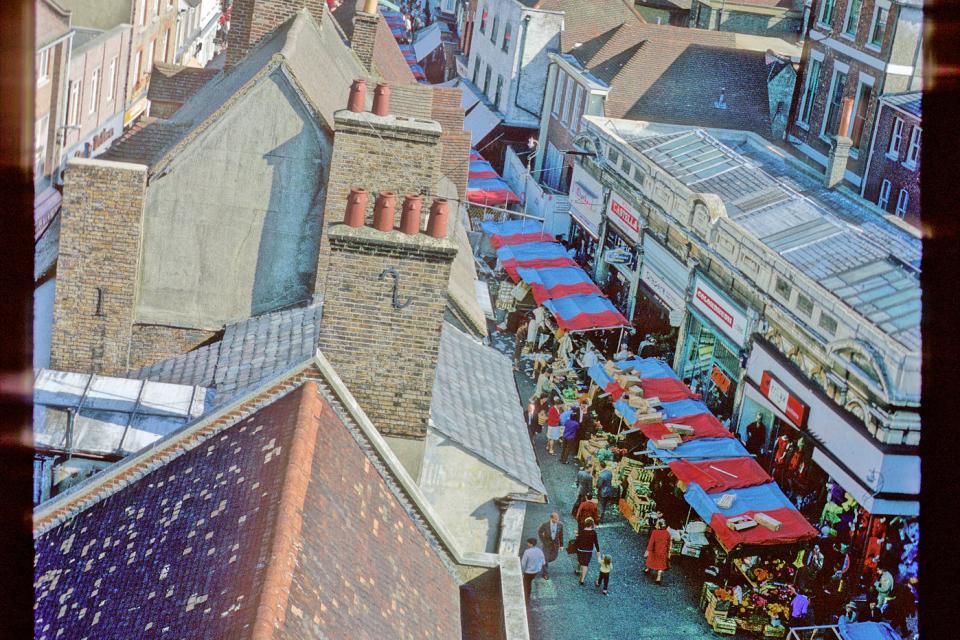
<point x="476" y="404"/>
<point x="316" y="57"/>
<point x="249" y="352"/>
<point x="854" y="254"/>
<point x="583" y="21"/>
<point x="387" y="57"/>
<point x="909" y="101"/>
<point x="244" y="523"/>
<point x="176" y="83"/>
<point x="675" y="75"/>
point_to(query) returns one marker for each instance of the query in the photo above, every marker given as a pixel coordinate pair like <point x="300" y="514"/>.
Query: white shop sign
<point x="659" y="286"/>
<point x="586" y="200"/>
<point x="729" y="317"/>
<point x="624" y="217"/>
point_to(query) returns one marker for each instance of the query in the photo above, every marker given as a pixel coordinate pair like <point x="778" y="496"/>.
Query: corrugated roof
<point x="476" y="404"/>
<point x="847" y="249"/>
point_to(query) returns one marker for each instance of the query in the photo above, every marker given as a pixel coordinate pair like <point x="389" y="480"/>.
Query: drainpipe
<point x="60" y="134"/>
<point x="524" y="26"/>
<point x="548" y="97"/>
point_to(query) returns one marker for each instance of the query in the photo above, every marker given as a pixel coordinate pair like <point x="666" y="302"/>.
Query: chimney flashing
<point x="341" y="234"/>
<point x="386" y="124"/>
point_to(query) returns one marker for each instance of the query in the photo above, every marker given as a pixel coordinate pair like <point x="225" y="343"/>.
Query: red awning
<point x="716" y="476"/>
<point x="793" y="528"/>
<point x="705" y="425"/>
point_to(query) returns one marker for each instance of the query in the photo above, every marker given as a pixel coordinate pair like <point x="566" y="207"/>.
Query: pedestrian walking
<point x="531" y="563"/>
<point x="586" y="542"/>
<point x="554" y="429"/>
<point x="587" y="511"/>
<point x="584" y="484"/>
<point x="605" y="489"/>
<point x="603" y="578"/>
<point x="551" y="538"/>
<point x="658" y="551"/>
<point x="570" y="429"/>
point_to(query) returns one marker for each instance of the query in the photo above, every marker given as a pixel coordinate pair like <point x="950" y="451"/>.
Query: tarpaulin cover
<point x="557" y="282"/>
<point x="418" y="71"/>
<point x="392" y="17"/>
<point x="482" y="169"/>
<point x="677" y="408"/>
<point x="762" y="497"/>
<point x="474" y="155"/>
<point x="667" y="389"/>
<point x="533" y="255"/>
<point x="868" y="631"/>
<point x="491" y="191"/>
<point x="703" y="449"/>
<point x="794" y="528"/>
<point x="599" y="375"/>
<point x="585" y="312"/>
<point x="719" y="476"/>
<point x="648" y="367"/>
<point x="705" y="425"/>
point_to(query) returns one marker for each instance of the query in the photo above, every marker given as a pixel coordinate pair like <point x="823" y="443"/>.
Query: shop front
<point x="586" y="211"/>
<point x="716" y="332"/>
<point x="619" y="270"/>
<point x="661" y="304"/>
<point x="862" y="494"/>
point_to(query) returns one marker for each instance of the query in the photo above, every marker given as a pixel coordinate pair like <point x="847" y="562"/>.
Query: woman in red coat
<point x="658" y="550"/>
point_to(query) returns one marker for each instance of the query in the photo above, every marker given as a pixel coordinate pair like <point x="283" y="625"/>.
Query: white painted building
<point x="197" y="23"/>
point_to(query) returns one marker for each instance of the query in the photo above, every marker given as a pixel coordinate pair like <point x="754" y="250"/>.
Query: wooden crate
<point x="724" y="626"/>
<point x="769" y="631"/>
<point x="707" y="596"/>
<point x="711" y="613"/>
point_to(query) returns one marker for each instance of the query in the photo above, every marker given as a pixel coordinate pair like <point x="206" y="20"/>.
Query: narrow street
<point x="636" y="608"/>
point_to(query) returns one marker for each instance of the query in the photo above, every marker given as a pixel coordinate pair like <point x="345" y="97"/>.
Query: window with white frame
<point x="902" y="199"/>
<point x="137" y="65"/>
<point x="577" y="106"/>
<point x="828" y="324"/>
<point x="476" y="70"/>
<point x="852" y="20"/>
<point x="831" y="119"/>
<point x="156" y="7"/>
<point x="878" y="26"/>
<point x="506" y="37"/>
<point x="94" y="89"/>
<point x="860" y="105"/>
<point x="164" y="52"/>
<point x="494" y="29"/>
<point x="483" y="20"/>
<point x="553" y="166"/>
<point x="567" y="95"/>
<point x="809" y="91"/>
<point x="112" y="79"/>
<point x="558" y="93"/>
<point x="804" y="305"/>
<point x="40" y="144"/>
<point x="43" y="66"/>
<point x="913" y="151"/>
<point x="143" y="12"/>
<point x="151" y="52"/>
<point x="496" y="96"/>
<point x="884" y="198"/>
<point x="73" y="103"/>
<point x="896" y="139"/>
<point x="826" y="12"/>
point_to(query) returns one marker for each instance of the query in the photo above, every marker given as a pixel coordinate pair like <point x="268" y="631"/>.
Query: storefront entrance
<point x="711" y="365"/>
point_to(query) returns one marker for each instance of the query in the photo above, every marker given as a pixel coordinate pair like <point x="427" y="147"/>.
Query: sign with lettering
<point x="720" y="379"/>
<point x="586" y="200"/>
<point x="670" y="297"/>
<point x="730" y="318"/>
<point x="624" y="217"/>
<point x="791" y="406"/>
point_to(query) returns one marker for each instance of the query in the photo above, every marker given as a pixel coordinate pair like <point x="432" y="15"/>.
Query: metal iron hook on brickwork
<point x="396" y="288"/>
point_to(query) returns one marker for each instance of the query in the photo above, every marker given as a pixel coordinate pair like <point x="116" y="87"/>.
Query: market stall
<point x="532" y="255"/>
<point x="550" y="283"/>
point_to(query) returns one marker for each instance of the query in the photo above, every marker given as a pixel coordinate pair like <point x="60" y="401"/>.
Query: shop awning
<point x="408" y="53"/>
<point x="485" y="186"/>
<point x="648" y="367"/>
<point x="427" y="40"/>
<point x="515" y="232"/>
<point x="793" y="528"/>
<point x="532" y="255"/>
<point x="550" y="283"/>
<point x="704" y="425"/>
<point x="585" y="313"/>
<point x="762" y="497"/>
<point x="703" y="449"/>
<point x="482" y="169"/>
<point x="717" y="476"/>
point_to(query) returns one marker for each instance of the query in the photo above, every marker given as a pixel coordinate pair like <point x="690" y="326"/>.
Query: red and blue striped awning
<point x="485" y="186"/>
<point x="585" y="312"/>
<point x="480" y="169"/>
<point x="533" y="255"/>
<point x="550" y="283"/>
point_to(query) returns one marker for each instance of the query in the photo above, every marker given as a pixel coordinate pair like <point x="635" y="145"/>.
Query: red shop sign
<point x="720" y="379"/>
<point x="782" y="399"/>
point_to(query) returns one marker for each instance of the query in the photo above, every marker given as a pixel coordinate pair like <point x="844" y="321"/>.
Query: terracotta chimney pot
<point x="437" y="225"/>
<point x="356" y="207"/>
<point x="381" y="99"/>
<point x="370" y="6"/>
<point x="358" y="95"/>
<point x="383" y="211"/>
<point x="410" y="216"/>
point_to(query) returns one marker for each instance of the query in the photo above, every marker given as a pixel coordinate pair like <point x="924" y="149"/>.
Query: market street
<point x="636" y="607"/>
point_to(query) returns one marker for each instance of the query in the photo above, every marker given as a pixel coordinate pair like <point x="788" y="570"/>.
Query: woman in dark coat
<point x="658" y="550"/>
<point x="586" y="542"/>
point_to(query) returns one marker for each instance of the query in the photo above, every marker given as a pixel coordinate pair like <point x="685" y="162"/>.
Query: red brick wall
<point x="150" y="343"/>
<point x="363" y="565"/>
<point x="251" y="20"/>
<point x="883" y="168"/>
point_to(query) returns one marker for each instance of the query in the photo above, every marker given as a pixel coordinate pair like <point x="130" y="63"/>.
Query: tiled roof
<point x="854" y="254"/>
<point x="175" y="83"/>
<point x="675" y="76"/>
<point x="583" y="21"/>
<point x="249" y="352"/>
<point x="316" y="57"/>
<point x="279" y="516"/>
<point x="476" y="404"/>
<point x="909" y="102"/>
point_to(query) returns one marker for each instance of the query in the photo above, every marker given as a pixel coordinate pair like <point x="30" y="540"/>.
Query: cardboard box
<point x="669" y="445"/>
<point x="726" y="500"/>
<point x="653" y="416"/>
<point x="680" y="429"/>
<point x="741" y="523"/>
<point x="768" y="522"/>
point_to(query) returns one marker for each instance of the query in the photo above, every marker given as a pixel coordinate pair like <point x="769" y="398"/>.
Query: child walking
<point x="606" y="566"/>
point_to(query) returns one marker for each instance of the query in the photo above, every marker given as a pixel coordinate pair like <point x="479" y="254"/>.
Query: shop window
<point x="783" y="288"/>
<point x="804" y="305"/>
<point x="828" y="324"/>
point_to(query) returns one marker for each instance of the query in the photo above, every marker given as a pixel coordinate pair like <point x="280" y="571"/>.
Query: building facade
<point x="198" y="22"/>
<point x="54" y="39"/>
<point x="783" y="315"/>
<point x="782" y="18"/>
<point x="892" y="177"/>
<point x="854" y="50"/>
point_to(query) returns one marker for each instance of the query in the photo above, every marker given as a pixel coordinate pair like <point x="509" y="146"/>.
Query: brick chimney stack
<point x="252" y="20"/>
<point x="839" y="148"/>
<point x="383" y="314"/>
<point x="380" y="152"/>
<point x="365" y="24"/>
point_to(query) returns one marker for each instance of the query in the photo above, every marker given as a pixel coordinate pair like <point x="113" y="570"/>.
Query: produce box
<point x="724" y="626"/>
<point x="707" y="595"/>
<point x="770" y="631"/>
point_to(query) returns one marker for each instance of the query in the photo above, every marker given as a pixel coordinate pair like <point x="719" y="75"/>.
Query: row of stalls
<point x="398" y="29"/>
<point x="485" y="187"/>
